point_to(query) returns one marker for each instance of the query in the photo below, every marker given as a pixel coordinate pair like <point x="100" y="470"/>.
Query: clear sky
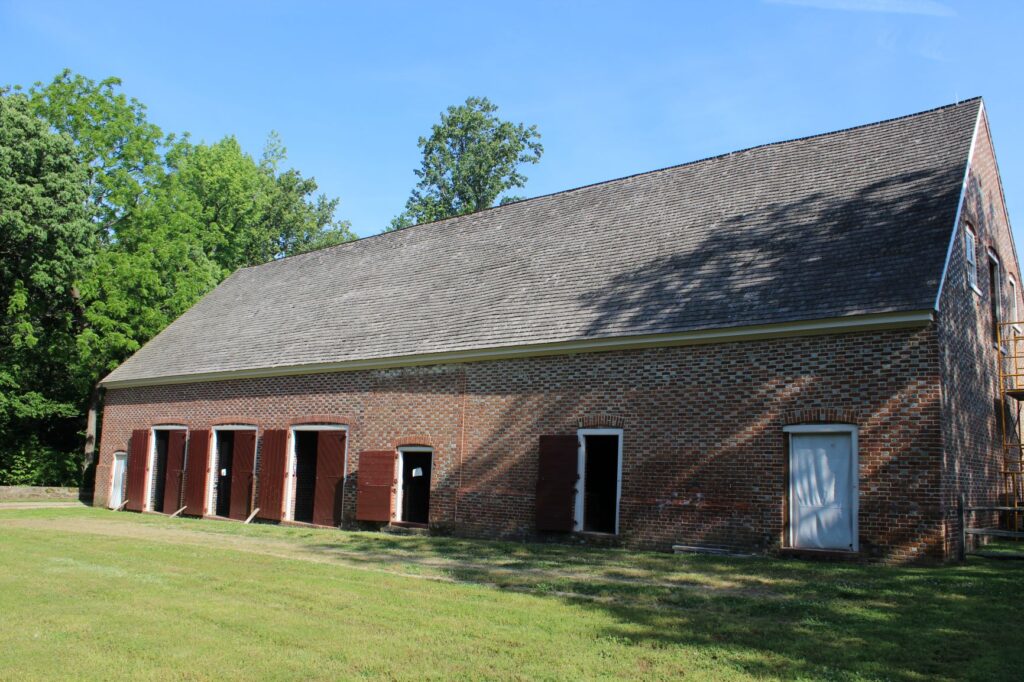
<point x="615" y="88"/>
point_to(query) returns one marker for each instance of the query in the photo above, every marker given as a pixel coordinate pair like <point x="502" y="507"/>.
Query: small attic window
<point x="970" y="249"/>
<point x="1014" y="314"/>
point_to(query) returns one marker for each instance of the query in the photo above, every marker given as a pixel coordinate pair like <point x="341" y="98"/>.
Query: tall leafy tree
<point x="216" y="210"/>
<point x="121" y="148"/>
<point x="470" y="159"/>
<point x="46" y="241"/>
<point x="170" y="220"/>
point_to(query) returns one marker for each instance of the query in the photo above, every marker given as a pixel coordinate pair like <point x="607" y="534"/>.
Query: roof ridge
<point x="714" y="157"/>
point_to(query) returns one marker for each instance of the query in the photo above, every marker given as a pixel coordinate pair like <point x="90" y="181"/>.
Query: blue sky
<point x="614" y="88"/>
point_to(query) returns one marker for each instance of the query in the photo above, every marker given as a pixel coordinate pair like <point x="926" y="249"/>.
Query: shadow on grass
<point x="764" y="617"/>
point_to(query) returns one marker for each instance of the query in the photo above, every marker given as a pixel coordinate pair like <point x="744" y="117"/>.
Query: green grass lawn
<point x="87" y="593"/>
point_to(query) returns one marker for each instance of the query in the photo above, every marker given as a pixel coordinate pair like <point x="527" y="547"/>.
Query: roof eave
<point x="840" y="325"/>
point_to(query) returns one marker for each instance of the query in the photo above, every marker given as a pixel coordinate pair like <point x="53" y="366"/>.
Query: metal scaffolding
<point x="1010" y="352"/>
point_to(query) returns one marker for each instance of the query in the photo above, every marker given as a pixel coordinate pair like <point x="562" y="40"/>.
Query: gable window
<point x="995" y="295"/>
<point x="1013" y="302"/>
<point x="970" y="249"/>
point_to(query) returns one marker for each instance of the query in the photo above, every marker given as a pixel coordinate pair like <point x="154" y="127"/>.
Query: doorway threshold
<point x="410" y="524"/>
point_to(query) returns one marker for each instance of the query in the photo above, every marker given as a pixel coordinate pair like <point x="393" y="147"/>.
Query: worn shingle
<point x="847" y="223"/>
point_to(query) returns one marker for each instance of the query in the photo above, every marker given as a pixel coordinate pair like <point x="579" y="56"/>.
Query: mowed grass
<point x="87" y="593"/>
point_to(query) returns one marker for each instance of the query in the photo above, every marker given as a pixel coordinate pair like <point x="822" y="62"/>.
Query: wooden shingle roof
<point x="849" y="223"/>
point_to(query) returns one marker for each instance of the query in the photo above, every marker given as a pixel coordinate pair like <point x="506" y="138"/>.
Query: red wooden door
<point x="375" y="478"/>
<point x="330" y="475"/>
<point x="270" y="499"/>
<point x="175" y="471"/>
<point x="196" y="470"/>
<point x="557" y="473"/>
<point x="138" y="454"/>
<point x="243" y="460"/>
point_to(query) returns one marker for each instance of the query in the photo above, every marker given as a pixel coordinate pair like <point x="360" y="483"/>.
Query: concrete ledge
<point x="822" y="554"/>
<point x="28" y="493"/>
<point x="715" y="551"/>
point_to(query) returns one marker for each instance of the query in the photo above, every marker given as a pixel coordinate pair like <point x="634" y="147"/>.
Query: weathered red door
<point x="375" y="478"/>
<point x="175" y="470"/>
<point x="138" y="454"/>
<point x="557" y="473"/>
<point x="242" y="462"/>
<point x="330" y="475"/>
<point x="270" y="499"/>
<point x="196" y="471"/>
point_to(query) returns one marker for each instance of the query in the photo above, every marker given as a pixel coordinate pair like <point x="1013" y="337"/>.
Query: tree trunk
<point x="90" y="427"/>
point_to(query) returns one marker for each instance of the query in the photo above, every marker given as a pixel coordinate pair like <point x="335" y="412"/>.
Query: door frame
<point x="400" y="467"/>
<point x="811" y="429"/>
<point x="123" y="456"/>
<point x="290" y="468"/>
<point x="212" y="460"/>
<point x="581" y="471"/>
<point x="151" y="459"/>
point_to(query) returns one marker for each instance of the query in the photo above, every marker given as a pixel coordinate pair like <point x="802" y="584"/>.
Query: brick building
<point x="786" y="347"/>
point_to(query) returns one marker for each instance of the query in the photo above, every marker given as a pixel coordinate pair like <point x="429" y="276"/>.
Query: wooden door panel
<point x="138" y="456"/>
<point x="375" y="480"/>
<point x="196" y="472"/>
<point x="330" y="473"/>
<point x="273" y="461"/>
<point x="557" y="473"/>
<point x="243" y="468"/>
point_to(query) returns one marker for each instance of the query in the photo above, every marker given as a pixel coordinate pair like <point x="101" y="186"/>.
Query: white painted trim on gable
<point x="960" y="204"/>
<point x="1002" y="193"/>
<point x="581" y="472"/>
<point x="838" y="325"/>
<point x="854" y="475"/>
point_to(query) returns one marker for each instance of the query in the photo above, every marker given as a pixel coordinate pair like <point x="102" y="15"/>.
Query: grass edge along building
<point x="789" y="347"/>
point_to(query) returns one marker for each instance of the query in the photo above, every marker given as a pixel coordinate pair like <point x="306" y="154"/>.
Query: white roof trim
<point x="960" y="203"/>
<point x="839" y="325"/>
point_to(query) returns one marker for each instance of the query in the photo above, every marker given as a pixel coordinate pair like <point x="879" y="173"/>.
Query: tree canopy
<point x="111" y="229"/>
<point x="46" y="243"/>
<point x="470" y="159"/>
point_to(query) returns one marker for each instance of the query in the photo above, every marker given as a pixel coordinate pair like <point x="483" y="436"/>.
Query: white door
<point x="823" y="491"/>
<point x="117" y="480"/>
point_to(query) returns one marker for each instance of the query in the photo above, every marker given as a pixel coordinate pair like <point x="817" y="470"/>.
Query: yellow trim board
<point x="838" y="325"/>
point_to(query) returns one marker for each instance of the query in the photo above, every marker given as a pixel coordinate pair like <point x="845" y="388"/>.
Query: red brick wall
<point x="704" y="451"/>
<point x="972" y="456"/>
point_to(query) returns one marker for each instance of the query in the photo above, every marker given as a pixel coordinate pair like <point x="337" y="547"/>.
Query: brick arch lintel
<point x="171" y="421"/>
<point x="413" y="439"/>
<point x="600" y="421"/>
<point x="821" y="415"/>
<point x="234" y="419"/>
<point x="338" y="419"/>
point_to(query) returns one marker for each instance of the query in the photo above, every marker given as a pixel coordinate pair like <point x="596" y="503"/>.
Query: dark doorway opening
<point x="225" y="467"/>
<point x="600" y="485"/>
<point x="161" y="439"/>
<point x="305" y="474"/>
<point x="416" y="470"/>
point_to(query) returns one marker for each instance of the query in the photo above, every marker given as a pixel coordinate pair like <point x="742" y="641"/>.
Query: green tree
<point x="46" y="242"/>
<point x="162" y="222"/>
<point x="122" y="150"/>
<point x="470" y="158"/>
<point x="216" y="210"/>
